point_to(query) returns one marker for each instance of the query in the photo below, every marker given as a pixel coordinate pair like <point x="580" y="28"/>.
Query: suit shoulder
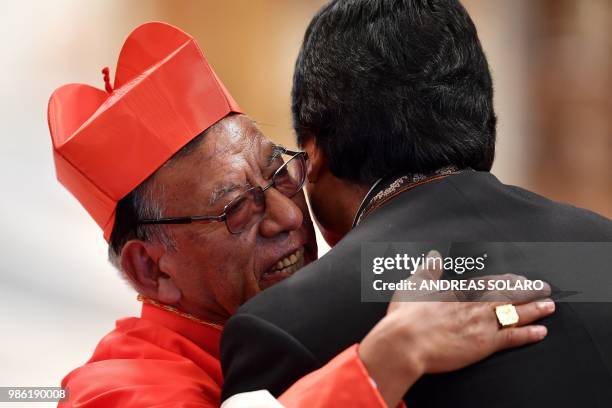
<point x="509" y="207"/>
<point x="568" y="217"/>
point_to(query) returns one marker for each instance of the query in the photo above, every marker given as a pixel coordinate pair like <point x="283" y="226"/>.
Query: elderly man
<point x="201" y="213"/>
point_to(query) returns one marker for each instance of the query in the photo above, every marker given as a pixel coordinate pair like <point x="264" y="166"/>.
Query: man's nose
<point x="282" y="214"/>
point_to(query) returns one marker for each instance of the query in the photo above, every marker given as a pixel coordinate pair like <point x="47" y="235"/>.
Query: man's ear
<point x="316" y="159"/>
<point x="140" y="263"/>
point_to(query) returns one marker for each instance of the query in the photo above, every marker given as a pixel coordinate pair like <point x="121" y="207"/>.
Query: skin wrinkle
<point x="205" y="270"/>
<point x="148" y="198"/>
<point x="223" y="191"/>
<point x="228" y="188"/>
<point x="216" y="271"/>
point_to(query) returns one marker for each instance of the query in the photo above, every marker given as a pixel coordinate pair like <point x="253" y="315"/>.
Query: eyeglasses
<point x="249" y="207"/>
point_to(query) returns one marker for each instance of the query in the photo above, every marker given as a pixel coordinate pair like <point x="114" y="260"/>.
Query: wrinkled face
<point x="217" y="271"/>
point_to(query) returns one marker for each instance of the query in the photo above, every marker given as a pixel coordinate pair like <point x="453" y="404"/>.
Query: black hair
<point x="390" y="86"/>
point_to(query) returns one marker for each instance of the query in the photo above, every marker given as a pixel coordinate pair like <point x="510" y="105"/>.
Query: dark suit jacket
<point x="298" y="325"/>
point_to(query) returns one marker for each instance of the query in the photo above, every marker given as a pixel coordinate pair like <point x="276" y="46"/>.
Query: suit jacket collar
<point x="388" y="188"/>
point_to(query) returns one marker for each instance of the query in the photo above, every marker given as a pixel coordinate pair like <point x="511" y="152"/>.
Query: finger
<point x="421" y="295"/>
<point x="432" y="269"/>
<point x="530" y="312"/>
<point x="489" y="295"/>
<point x="511" y="295"/>
<point x="519" y="336"/>
<point x="433" y="261"/>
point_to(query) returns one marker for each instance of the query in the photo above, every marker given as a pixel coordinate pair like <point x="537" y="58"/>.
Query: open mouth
<point x="285" y="267"/>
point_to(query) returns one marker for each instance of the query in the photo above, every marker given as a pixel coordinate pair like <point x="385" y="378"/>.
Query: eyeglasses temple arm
<point x="183" y="220"/>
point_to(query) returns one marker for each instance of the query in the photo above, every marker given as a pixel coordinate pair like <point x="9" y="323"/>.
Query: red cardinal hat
<point x="105" y="143"/>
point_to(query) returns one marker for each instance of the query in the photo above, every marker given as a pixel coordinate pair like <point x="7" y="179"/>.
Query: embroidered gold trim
<point x="401" y="185"/>
<point x="174" y="310"/>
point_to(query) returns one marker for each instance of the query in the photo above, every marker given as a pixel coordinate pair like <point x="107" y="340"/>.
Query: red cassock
<point x="164" y="359"/>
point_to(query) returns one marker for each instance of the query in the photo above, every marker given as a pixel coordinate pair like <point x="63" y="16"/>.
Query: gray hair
<point x="146" y="202"/>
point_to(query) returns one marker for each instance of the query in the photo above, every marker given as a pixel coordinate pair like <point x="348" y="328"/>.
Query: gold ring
<point x="507" y="315"/>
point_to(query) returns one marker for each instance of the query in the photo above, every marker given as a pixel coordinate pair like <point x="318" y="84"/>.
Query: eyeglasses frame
<point x="223" y="216"/>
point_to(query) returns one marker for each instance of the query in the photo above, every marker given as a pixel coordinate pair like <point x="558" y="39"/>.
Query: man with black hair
<point x="393" y="102"/>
